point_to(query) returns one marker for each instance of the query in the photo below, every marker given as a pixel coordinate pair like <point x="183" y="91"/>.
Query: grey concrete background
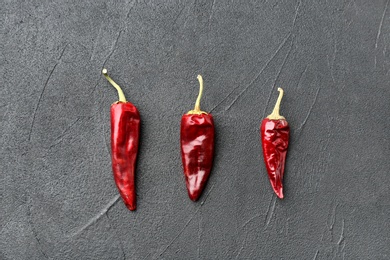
<point x="58" y="198"/>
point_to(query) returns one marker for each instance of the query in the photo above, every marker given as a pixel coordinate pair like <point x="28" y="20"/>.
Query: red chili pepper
<point x="125" y="129"/>
<point x="197" y="147"/>
<point x="275" y="133"/>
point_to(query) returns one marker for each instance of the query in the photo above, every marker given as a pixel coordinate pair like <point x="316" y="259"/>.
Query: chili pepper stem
<point x="196" y="109"/>
<point x="275" y="113"/>
<point x="121" y="95"/>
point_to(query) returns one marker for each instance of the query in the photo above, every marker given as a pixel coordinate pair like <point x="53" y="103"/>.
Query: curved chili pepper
<point x="275" y="133"/>
<point x="197" y="147"/>
<point x="125" y="129"/>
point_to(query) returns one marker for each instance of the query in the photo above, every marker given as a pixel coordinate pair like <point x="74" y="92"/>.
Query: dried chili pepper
<point x="275" y="133"/>
<point x="197" y="146"/>
<point x="125" y="129"/>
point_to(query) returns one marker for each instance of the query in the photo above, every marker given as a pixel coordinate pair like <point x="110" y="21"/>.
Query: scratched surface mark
<point x="57" y="195"/>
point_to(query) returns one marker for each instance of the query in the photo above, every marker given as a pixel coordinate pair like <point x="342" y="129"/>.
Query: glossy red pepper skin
<point x="125" y="131"/>
<point x="275" y="136"/>
<point x="197" y="151"/>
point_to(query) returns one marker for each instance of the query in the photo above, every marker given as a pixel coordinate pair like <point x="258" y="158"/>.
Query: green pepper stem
<point x="196" y="109"/>
<point x="197" y="103"/>
<point x="275" y="113"/>
<point x="116" y="86"/>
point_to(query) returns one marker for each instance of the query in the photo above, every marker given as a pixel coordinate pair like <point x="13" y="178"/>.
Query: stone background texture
<point x="57" y="195"/>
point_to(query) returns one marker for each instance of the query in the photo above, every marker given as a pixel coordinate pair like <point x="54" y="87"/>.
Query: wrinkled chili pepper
<point x="197" y="147"/>
<point x="275" y="133"/>
<point x="125" y="130"/>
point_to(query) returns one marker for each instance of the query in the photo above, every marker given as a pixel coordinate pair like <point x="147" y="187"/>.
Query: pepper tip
<point x="130" y="207"/>
<point x="194" y="197"/>
<point x="280" y="194"/>
<point x="193" y="194"/>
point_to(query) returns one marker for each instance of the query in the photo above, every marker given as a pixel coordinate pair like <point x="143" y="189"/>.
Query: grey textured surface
<point x="58" y="198"/>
